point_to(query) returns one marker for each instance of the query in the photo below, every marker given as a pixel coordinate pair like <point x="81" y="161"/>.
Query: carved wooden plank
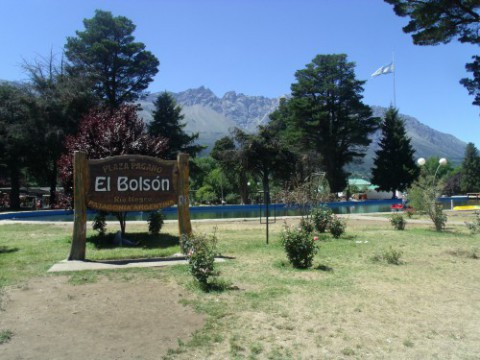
<point x="80" y="175"/>
<point x="184" y="224"/>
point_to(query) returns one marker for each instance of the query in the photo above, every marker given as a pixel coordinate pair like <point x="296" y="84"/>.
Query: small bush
<point x="474" y="226"/>
<point x="321" y="218"/>
<point x="155" y="222"/>
<point x="398" y="221"/>
<point x="300" y="246"/>
<point x="390" y="256"/>
<point x="306" y="225"/>
<point x="5" y="336"/>
<point x="200" y="250"/>
<point x="337" y="227"/>
<point x="409" y="212"/>
<point x="99" y="223"/>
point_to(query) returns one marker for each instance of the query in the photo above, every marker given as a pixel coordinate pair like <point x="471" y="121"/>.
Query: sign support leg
<point x="184" y="224"/>
<point x="77" y="250"/>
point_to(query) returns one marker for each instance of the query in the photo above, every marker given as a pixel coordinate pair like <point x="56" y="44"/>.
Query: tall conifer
<point x="394" y="165"/>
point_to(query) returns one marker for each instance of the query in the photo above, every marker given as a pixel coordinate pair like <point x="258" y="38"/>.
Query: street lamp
<point x="433" y="207"/>
<point x="442" y="162"/>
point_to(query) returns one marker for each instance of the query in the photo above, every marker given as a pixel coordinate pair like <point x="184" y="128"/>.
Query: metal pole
<point x="267" y="202"/>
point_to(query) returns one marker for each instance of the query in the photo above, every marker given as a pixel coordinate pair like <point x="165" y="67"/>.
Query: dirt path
<point x="51" y="319"/>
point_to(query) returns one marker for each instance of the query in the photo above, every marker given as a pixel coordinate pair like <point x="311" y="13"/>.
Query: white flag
<point x="387" y="69"/>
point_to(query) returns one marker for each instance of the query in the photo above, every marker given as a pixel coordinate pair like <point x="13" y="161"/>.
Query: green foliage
<point x="16" y="135"/>
<point x="206" y="195"/>
<point x="390" y="256"/>
<point x="473" y="85"/>
<point x="409" y="212"/>
<point x="299" y="245"/>
<point x="474" y="226"/>
<point x="155" y="222"/>
<point x="321" y="218"/>
<point x="423" y="196"/>
<point x="201" y="250"/>
<point x="59" y="101"/>
<point x="230" y="154"/>
<point x="106" y="54"/>
<point x="167" y="123"/>
<point x="99" y="223"/>
<point x="337" y="227"/>
<point x="470" y="181"/>
<point x="5" y="336"/>
<point x="398" y="221"/>
<point x="307" y="225"/>
<point x="326" y="110"/>
<point x="439" y="21"/>
<point x="394" y="166"/>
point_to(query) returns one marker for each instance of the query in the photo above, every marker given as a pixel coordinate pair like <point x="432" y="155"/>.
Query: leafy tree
<point x="473" y="85"/>
<point x="439" y="21"/>
<point x="106" y="133"/>
<point x="453" y="183"/>
<point x="119" y="68"/>
<point x="60" y="101"/>
<point x="423" y="196"/>
<point x="267" y="156"/>
<point x="394" y="165"/>
<point x="282" y="124"/>
<point x="15" y="135"/>
<point x="328" y="114"/>
<point x="230" y="153"/>
<point x="167" y="122"/>
<point x="470" y="181"/>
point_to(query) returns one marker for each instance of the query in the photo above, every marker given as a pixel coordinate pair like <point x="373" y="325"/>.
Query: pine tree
<point x="105" y="53"/>
<point x="329" y="116"/>
<point x="394" y="165"/>
<point x="470" y="170"/>
<point x="167" y="122"/>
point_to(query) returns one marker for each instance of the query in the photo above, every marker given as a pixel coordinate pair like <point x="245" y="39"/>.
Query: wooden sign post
<point x="127" y="183"/>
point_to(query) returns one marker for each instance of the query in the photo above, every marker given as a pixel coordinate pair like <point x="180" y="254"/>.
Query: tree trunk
<point x="53" y="184"/>
<point x="243" y="187"/>
<point x="15" y="186"/>
<point x="122" y="219"/>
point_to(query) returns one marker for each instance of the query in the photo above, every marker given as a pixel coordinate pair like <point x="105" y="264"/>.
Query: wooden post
<point x="80" y="169"/>
<point x="184" y="224"/>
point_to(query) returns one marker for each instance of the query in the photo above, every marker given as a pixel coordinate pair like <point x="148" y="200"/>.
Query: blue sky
<point x="255" y="47"/>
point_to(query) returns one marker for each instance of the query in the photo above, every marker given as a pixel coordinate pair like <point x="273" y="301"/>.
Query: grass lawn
<point x="352" y="304"/>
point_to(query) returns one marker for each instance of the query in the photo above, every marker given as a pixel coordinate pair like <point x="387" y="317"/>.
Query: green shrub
<point x="390" y="256"/>
<point x="398" y="221"/>
<point x="409" y="211"/>
<point x="200" y="250"/>
<point x="99" y="223"/>
<point x="306" y="225"/>
<point x="337" y="227"/>
<point x="155" y="222"/>
<point x="321" y="218"/>
<point x="300" y="246"/>
<point x="474" y="226"/>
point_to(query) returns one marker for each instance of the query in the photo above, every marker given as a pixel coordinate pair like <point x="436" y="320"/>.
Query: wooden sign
<point x="131" y="183"/>
<point x="127" y="183"/>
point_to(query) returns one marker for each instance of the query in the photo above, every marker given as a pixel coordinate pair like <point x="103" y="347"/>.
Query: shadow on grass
<point x="142" y="240"/>
<point x="7" y="250"/>
<point x="324" y="268"/>
<point x="216" y="286"/>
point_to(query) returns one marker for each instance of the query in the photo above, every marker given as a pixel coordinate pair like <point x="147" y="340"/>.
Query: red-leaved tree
<point x="109" y="132"/>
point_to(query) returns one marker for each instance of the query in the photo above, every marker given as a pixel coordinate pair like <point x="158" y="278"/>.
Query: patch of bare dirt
<point x="52" y="319"/>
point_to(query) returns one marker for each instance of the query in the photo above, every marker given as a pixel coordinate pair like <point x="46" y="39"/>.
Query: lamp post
<point x="430" y="195"/>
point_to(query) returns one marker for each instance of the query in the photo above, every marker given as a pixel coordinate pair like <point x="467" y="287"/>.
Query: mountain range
<point x="214" y="117"/>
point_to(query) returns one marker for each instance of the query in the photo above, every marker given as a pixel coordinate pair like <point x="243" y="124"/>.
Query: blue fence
<point x="215" y="212"/>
